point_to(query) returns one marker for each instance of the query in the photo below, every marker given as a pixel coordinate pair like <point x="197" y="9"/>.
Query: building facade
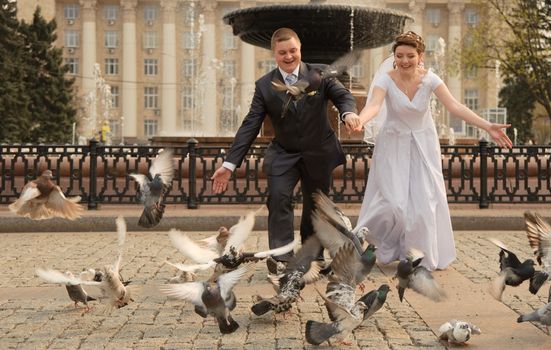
<point x="174" y="68"/>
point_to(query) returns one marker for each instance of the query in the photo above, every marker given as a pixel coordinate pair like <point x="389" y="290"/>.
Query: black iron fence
<point x="480" y="174"/>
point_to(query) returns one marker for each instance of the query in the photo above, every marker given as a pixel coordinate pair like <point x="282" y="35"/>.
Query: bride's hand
<point x="496" y="131"/>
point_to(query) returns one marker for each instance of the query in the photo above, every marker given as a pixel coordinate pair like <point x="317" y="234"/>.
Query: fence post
<point x="92" y="204"/>
<point x="192" y="156"/>
<point x="483" y="202"/>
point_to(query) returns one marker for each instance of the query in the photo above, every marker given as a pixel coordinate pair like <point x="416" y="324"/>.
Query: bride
<point x="405" y="203"/>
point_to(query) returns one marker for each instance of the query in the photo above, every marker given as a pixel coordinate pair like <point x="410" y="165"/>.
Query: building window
<point x="471" y="72"/>
<point x="73" y="65"/>
<point x="149" y="13"/>
<point x="115" y="127"/>
<point x="114" y="96"/>
<point x="149" y="40"/>
<point x="111" y="66"/>
<point x="432" y="43"/>
<point x="267" y="66"/>
<point x="471" y="17"/>
<point x="189" y="68"/>
<point x="111" y="12"/>
<point x="150" y="66"/>
<point x="188" y="40"/>
<point x="228" y="67"/>
<point x="149" y="127"/>
<point x="151" y="97"/>
<point x="357" y="71"/>
<point x="229" y="42"/>
<point x="190" y="14"/>
<point x="111" y="39"/>
<point x="187" y="98"/>
<point x="433" y="16"/>
<point x="72" y="38"/>
<point x="70" y="11"/>
<point x="471" y="99"/>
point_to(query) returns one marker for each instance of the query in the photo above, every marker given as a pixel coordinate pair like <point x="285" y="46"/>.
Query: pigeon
<point x="73" y="284"/>
<point x="112" y="285"/>
<point x="457" y="332"/>
<point x="312" y="81"/>
<point x="541" y="315"/>
<point x="302" y="269"/>
<point x="332" y="239"/>
<point x="512" y="271"/>
<point x="414" y="276"/>
<point x="152" y="188"/>
<point x="43" y="199"/>
<point x="374" y="301"/>
<point x="345" y="321"/>
<point x="212" y="298"/>
<point x="539" y="237"/>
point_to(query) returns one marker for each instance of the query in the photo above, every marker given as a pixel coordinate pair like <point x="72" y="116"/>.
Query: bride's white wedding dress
<point x="405" y="201"/>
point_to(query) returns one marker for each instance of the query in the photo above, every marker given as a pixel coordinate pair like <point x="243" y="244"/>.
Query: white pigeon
<point x="458" y="332"/>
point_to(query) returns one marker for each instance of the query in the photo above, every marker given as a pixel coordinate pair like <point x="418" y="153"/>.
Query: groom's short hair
<point x="283" y="34"/>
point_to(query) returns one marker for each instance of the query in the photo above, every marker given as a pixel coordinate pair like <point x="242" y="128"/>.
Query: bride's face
<point x="407" y="59"/>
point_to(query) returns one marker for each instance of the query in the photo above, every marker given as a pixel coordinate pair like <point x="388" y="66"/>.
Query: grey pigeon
<point x="512" y="271"/>
<point x="43" y="199"/>
<point x="416" y="277"/>
<point x="541" y="315"/>
<point x="458" y="332"/>
<point x="73" y="284"/>
<point x="345" y="321"/>
<point x="212" y="298"/>
<point x="539" y="237"/>
<point x="152" y="188"/>
<point x="374" y="301"/>
<point x="312" y="81"/>
<point x="301" y="270"/>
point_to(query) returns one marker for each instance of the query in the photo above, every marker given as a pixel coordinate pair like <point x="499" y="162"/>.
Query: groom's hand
<point x="352" y="122"/>
<point x="220" y="179"/>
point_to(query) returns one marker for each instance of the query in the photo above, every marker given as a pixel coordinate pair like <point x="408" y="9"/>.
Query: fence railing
<point x="480" y="174"/>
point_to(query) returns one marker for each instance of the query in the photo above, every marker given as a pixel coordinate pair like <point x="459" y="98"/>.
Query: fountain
<point x="327" y="31"/>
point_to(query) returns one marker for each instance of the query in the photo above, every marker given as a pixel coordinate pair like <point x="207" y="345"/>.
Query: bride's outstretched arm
<point x="372" y="106"/>
<point x="463" y="112"/>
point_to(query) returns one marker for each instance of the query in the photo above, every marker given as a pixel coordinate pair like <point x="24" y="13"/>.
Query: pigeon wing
<point x="55" y="276"/>
<point x="59" y="205"/>
<point x="342" y="64"/>
<point x="423" y="283"/>
<point x="228" y="280"/>
<point x="190" y="291"/>
<point x="240" y="232"/>
<point x="190" y="249"/>
<point x="163" y="165"/>
<point x="29" y="192"/>
<point x="539" y="237"/>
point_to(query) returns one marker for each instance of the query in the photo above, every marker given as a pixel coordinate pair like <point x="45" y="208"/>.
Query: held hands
<point x="220" y="179"/>
<point x="352" y="122"/>
<point x="499" y="136"/>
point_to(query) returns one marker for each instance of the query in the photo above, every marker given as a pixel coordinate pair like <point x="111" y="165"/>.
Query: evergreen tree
<point x="49" y="89"/>
<point x="517" y="97"/>
<point x="14" y="102"/>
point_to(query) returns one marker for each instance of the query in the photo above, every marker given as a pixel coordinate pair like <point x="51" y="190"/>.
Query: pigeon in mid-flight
<point x="312" y="81"/>
<point x="541" y="315"/>
<point x="458" y="332"/>
<point x="43" y="199"/>
<point x="416" y="277"/>
<point x="152" y="188"/>
<point x="539" y="237"/>
<point x="212" y="298"/>
<point x="73" y="284"/>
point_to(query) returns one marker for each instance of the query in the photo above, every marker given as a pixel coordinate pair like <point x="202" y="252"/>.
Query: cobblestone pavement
<point x="37" y="315"/>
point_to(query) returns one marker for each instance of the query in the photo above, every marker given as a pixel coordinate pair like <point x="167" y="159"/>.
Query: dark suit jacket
<point x="304" y="133"/>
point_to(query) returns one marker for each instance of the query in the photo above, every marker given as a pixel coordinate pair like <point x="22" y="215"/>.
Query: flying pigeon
<point x="301" y="270"/>
<point x="73" y="284"/>
<point x="43" y="199"/>
<point x="414" y="276"/>
<point x="212" y="298"/>
<point x="152" y="188"/>
<point x="539" y="237"/>
<point x="458" y="332"/>
<point x="541" y="315"/>
<point x="312" y="81"/>
<point x="512" y="271"/>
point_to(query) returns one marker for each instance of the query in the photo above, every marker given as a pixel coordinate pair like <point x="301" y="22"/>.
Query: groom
<point x="304" y="148"/>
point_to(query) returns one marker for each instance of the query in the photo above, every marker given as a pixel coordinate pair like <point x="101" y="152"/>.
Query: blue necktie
<point x="290" y="79"/>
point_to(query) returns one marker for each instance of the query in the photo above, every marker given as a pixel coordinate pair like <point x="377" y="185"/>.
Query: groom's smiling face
<point x="287" y="54"/>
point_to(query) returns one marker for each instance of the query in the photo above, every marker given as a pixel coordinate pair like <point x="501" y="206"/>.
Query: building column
<point x="211" y="115"/>
<point x="248" y="65"/>
<point x="454" y="36"/>
<point x="88" y="42"/>
<point x="417" y="9"/>
<point x="129" y="69"/>
<point x="168" y="92"/>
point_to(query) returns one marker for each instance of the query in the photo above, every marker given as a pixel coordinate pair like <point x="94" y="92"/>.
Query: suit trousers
<point x="280" y="205"/>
